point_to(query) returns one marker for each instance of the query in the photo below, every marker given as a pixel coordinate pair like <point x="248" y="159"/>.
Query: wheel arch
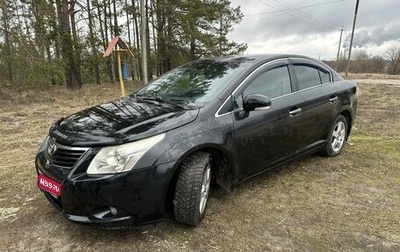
<point x="222" y="171"/>
<point x="349" y="120"/>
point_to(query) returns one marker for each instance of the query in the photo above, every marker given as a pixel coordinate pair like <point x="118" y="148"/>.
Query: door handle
<point x="295" y="112"/>
<point x="333" y="99"/>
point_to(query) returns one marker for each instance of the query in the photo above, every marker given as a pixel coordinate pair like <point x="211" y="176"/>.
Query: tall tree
<point x="92" y="42"/>
<point x="45" y="42"/>
<point x="393" y="56"/>
<point x="113" y="30"/>
<point x="77" y="48"/>
<point x="68" y="51"/>
<point x="189" y="30"/>
<point x="7" y="43"/>
<point x="377" y="64"/>
<point x="134" y="11"/>
<point x="43" y="12"/>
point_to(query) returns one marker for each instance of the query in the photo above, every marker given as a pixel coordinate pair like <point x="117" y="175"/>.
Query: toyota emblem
<point x="52" y="149"/>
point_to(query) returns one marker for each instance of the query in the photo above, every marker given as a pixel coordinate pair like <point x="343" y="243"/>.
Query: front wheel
<point x="192" y="189"/>
<point x="337" y="137"/>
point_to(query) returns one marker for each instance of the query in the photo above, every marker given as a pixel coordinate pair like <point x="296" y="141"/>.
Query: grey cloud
<point x="377" y="21"/>
<point x="328" y="18"/>
<point x="374" y="36"/>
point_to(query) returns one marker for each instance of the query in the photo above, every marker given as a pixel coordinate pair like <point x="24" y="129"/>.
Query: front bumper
<point x="132" y="198"/>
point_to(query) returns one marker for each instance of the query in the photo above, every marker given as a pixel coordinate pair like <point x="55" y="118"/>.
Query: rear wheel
<point x="192" y="189"/>
<point x="337" y="137"/>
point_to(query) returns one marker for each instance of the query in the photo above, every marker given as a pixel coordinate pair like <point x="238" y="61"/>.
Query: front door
<point x="263" y="138"/>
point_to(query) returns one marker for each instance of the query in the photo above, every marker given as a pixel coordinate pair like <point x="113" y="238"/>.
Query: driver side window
<point x="272" y="83"/>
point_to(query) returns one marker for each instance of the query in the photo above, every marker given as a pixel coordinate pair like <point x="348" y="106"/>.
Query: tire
<point x="337" y="137"/>
<point x="192" y="189"/>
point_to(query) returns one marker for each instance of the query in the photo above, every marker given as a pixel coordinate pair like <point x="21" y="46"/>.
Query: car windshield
<point x="196" y="82"/>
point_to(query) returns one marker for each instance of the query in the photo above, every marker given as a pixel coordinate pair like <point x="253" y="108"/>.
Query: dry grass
<point x="347" y="203"/>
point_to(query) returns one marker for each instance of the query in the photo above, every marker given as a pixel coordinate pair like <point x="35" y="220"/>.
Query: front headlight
<point x="121" y="158"/>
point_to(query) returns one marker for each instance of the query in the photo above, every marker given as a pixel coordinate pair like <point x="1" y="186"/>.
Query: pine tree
<point x="48" y="42"/>
<point x="189" y="30"/>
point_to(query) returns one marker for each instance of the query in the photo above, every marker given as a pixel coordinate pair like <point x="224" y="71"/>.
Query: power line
<point x="306" y="17"/>
<point x="287" y="12"/>
<point x="275" y="8"/>
<point x="295" y="13"/>
<point x="290" y="10"/>
<point x="297" y="7"/>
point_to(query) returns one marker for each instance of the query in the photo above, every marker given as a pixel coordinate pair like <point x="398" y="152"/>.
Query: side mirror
<point x="256" y="102"/>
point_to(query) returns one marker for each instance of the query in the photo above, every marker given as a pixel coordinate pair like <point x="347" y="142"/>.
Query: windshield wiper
<point x="159" y="100"/>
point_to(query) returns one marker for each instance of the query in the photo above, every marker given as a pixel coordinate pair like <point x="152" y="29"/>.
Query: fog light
<point x="106" y="213"/>
<point x="113" y="211"/>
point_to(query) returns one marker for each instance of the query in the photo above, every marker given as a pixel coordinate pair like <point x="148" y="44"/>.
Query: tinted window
<point x="273" y="83"/>
<point x="325" y="76"/>
<point x="307" y="76"/>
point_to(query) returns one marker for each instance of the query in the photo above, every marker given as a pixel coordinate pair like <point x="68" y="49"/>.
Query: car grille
<point x="64" y="156"/>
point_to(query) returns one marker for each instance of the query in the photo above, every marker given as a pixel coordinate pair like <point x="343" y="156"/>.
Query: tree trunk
<point x="76" y="45"/>
<point x="67" y="48"/>
<point x="136" y="42"/>
<point x="163" y="31"/>
<point x="154" y="35"/>
<point x="56" y="18"/>
<point x="50" y="62"/>
<point x="92" y="44"/>
<point x="143" y="43"/>
<point x="128" y="24"/>
<point x="112" y="30"/>
<point x="148" y="49"/>
<point x="109" y="59"/>
<point x="99" y="13"/>
<point x="41" y="12"/>
<point x="116" y="33"/>
<point x="115" y="15"/>
<point x="192" y="47"/>
<point x="7" y="43"/>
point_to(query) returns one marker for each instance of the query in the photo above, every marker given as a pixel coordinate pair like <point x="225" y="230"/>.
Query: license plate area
<point x="49" y="185"/>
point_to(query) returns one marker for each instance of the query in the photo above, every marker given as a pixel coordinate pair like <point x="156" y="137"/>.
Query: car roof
<point x="262" y="57"/>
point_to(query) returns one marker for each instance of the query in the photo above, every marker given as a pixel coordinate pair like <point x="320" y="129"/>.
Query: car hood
<point x="119" y="121"/>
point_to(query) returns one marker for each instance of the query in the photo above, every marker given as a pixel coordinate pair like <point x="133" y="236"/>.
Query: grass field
<point x="347" y="203"/>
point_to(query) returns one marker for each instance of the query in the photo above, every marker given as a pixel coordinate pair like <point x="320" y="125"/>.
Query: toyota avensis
<point x="156" y="152"/>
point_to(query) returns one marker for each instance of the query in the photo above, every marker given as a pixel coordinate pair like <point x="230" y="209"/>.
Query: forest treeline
<point x="61" y="42"/>
<point x="364" y="62"/>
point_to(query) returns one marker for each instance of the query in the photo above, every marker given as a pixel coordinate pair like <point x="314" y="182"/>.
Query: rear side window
<point x="325" y="76"/>
<point x="307" y="76"/>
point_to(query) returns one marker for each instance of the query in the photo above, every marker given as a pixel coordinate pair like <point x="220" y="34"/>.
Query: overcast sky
<point x="312" y="27"/>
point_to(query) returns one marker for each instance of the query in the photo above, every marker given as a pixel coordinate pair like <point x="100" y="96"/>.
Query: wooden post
<point x="352" y="36"/>
<point x="121" y="79"/>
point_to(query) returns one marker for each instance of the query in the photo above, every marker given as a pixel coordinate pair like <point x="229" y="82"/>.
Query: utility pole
<point x="352" y="36"/>
<point x="143" y="40"/>
<point x="338" y="50"/>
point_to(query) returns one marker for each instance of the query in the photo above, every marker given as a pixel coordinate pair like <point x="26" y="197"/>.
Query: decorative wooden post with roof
<point x="118" y="45"/>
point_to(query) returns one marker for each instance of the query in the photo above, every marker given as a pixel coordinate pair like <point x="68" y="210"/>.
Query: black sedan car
<point x="156" y="152"/>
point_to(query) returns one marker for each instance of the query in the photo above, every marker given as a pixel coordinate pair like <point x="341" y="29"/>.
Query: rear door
<point x="263" y="138"/>
<point x="319" y="101"/>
